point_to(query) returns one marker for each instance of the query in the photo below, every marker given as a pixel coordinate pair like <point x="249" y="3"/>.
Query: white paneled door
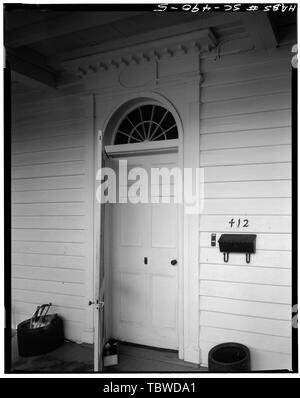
<point x="144" y="253"/>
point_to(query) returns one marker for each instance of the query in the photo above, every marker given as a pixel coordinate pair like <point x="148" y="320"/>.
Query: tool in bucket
<point x="38" y="318"/>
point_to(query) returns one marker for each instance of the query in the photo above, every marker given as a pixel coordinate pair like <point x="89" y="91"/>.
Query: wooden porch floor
<point x="134" y="358"/>
<point x="78" y="358"/>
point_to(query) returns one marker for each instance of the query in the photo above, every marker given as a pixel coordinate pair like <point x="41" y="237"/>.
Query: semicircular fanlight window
<point x="146" y="123"/>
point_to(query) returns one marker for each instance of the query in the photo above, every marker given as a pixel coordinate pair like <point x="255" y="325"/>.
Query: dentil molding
<point x="157" y="50"/>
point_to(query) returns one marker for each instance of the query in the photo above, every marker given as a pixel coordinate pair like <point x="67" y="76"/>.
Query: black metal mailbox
<point x="237" y="243"/>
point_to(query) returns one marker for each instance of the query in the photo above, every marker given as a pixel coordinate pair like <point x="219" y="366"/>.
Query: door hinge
<point x="99" y="304"/>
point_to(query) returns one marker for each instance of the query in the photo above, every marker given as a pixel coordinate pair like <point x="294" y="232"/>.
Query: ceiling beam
<point x="260" y="29"/>
<point x="201" y="22"/>
<point x="63" y="25"/>
<point x="26" y="71"/>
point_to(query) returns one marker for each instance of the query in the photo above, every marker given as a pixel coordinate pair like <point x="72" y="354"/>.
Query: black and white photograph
<point x="148" y="152"/>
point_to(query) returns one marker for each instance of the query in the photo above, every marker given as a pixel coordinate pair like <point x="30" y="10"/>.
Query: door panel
<point x="145" y="293"/>
<point x="164" y="225"/>
<point x="163" y="290"/>
<point x="132" y="224"/>
<point x="133" y="303"/>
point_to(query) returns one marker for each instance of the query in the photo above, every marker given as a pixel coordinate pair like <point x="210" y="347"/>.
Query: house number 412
<point x="239" y="223"/>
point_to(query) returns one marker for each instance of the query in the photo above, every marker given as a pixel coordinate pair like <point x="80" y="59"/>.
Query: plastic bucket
<point x="40" y="340"/>
<point x="229" y="358"/>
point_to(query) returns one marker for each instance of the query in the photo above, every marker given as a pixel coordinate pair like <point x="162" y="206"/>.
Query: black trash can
<point x="229" y="358"/>
<point x="40" y="340"/>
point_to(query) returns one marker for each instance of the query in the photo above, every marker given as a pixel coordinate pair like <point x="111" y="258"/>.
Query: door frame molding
<point x="108" y="264"/>
<point x="187" y="119"/>
<point x="168" y="69"/>
<point x="169" y="146"/>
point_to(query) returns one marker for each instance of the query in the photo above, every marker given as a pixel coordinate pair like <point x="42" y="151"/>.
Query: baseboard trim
<point x="87" y="336"/>
<point x="192" y="354"/>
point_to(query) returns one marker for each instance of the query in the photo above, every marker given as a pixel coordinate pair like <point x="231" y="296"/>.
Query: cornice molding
<point x="198" y="41"/>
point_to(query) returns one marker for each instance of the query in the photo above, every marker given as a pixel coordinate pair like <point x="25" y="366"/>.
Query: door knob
<point x="173" y="262"/>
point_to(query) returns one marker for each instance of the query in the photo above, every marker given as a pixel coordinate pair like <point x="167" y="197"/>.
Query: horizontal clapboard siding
<point x="48" y="157"/>
<point x="245" y="150"/>
<point x="47" y="235"/>
<point x="246" y="139"/>
<point x="230" y="107"/>
<point x="48" y="144"/>
<point x="241" y="71"/>
<point x="63" y="114"/>
<point x="49" y="261"/>
<point x="61" y="300"/>
<point x="73" y="168"/>
<point x="48" y="183"/>
<point x="51" y="130"/>
<point x="53" y="248"/>
<point x="246" y="89"/>
<point x="265" y="154"/>
<point x="268" y="119"/>
<point x="49" y="222"/>
<point x="262" y="258"/>
<point x="252" y="324"/>
<point x="246" y="291"/>
<point x="249" y="172"/>
<point x="259" y="341"/>
<point x="246" y="274"/>
<point x="248" y="189"/>
<point x="51" y="204"/>
<point x="48" y="273"/>
<point x="247" y="206"/>
<point x="249" y="308"/>
<point x="48" y="196"/>
<point x="52" y="287"/>
<point x="48" y="209"/>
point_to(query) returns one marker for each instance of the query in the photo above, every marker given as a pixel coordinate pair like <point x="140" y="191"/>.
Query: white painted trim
<point x="142" y="147"/>
<point x="88" y="330"/>
<point x="171" y="46"/>
<point x="154" y="147"/>
<point x="107" y="222"/>
<point x="188" y="156"/>
<point x="97" y="260"/>
<point x="191" y="156"/>
<point x="129" y="101"/>
<point x="107" y="255"/>
<point x="181" y="291"/>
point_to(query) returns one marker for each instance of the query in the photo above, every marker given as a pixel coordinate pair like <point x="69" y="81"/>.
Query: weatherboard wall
<point x="245" y="150"/>
<point x="51" y="211"/>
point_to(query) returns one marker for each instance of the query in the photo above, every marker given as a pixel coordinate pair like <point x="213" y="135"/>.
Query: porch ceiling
<point x="38" y="41"/>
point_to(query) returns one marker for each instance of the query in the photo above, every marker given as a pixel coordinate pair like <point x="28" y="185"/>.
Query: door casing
<point x="188" y="226"/>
